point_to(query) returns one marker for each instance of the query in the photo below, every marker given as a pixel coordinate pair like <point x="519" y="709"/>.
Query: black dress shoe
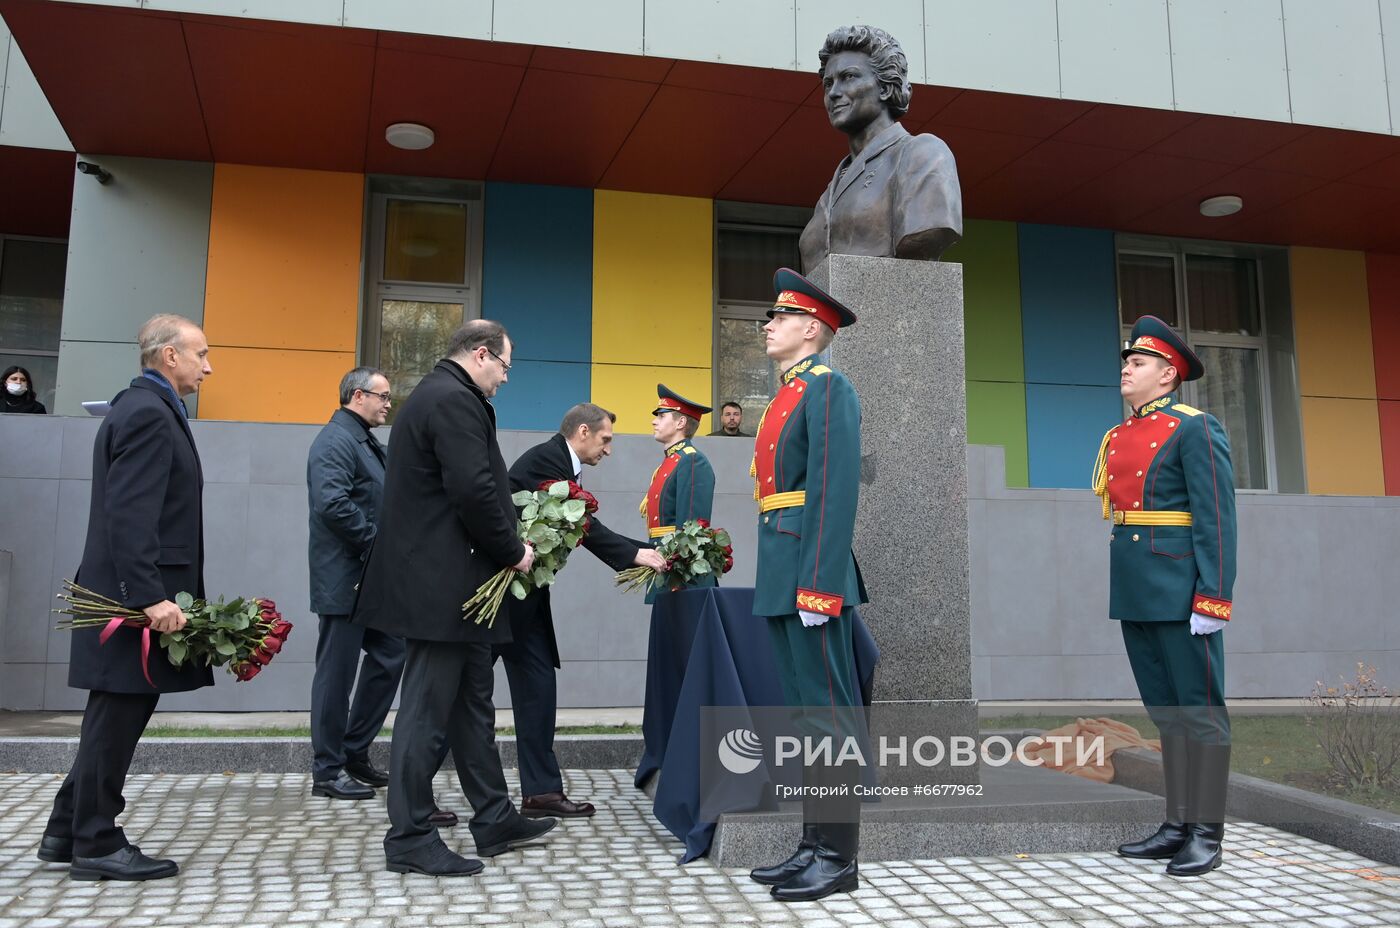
<point x="368" y="774"/>
<point x="824" y="874"/>
<point x="554" y="805"/>
<point x="126" y="864"/>
<point x="55" y="850"/>
<point x="342" y="787"/>
<point x="1201" y="853"/>
<point x="435" y="860"/>
<point x="1160" y="845"/>
<point x="443" y="818"/>
<point x="782" y="872"/>
<point x="521" y="831"/>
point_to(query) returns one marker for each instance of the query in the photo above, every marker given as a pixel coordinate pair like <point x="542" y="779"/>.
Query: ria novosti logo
<point x="740" y="751"/>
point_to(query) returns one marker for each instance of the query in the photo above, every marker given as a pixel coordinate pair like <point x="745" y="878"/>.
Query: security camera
<point x="96" y="170"/>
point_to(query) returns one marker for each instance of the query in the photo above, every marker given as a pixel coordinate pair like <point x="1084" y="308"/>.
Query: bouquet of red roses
<point x="554" y="519"/>
<point x="694" y="550"/>
<point x="244" y="634"/>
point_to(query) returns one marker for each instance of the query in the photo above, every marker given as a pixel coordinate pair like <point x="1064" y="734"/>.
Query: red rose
<point x="260" y="656"/>
<point x="590" y="502"/>
<point x="728" y="549"/>
<point x="728" y="564"/>
<point x="271" y="644"/>
<point x="246" y="671"/>
<point x="281" y="630"/>
<point x="704" y="522"/>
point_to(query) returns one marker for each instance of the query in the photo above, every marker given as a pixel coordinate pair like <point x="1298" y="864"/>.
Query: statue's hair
<point x="886" y="57"/>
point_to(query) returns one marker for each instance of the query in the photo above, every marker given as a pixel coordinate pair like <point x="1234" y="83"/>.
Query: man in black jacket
<point x="447" y="526"/>
<point x="584" y="437"/>
<point x="145" y="544"/>
<point x="344" y="486"/>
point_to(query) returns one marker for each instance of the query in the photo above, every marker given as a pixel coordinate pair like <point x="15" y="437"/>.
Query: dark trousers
<point x="1181" y="679"/>
<point x="534" y="700"/>
<point x="343" y="730"/>
<point x="90" y="799"/>
<point x="446" y="697"/>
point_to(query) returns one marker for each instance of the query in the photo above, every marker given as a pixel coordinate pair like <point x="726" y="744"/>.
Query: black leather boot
<point x="1208" y="782"/>
<point x="782" y="872"/>
<point x="1171" y="835"/>
<point x="832" y="869"/>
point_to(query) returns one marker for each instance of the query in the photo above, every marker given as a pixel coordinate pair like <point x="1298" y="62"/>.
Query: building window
<point x="423" y="275"/>
<point x="31" y="308"/>
<point x="751" y="242"/>
<point x="1214" y="296"/>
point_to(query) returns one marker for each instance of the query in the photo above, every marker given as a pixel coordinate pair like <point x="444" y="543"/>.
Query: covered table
<point x="707" y="648"/>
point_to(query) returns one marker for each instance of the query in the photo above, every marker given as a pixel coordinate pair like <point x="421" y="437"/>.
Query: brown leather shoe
<point x="555" y="804"/>
<point x="442" y="818"/>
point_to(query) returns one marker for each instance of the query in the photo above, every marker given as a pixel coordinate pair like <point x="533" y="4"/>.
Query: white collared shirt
<point x="573" y="456"/>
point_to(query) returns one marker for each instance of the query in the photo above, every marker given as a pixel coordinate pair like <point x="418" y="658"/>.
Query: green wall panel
<point x="996" y="415"/>
<point x="992" y="300"/>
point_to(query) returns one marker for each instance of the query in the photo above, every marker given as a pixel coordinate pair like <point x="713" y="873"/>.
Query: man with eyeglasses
<point x="345" y="484"/>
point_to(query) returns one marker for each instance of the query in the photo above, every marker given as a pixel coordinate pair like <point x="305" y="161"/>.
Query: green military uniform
<point x="682" y="486"/>
<point x="1167" y="484"/>
<point x="806" y="471"/>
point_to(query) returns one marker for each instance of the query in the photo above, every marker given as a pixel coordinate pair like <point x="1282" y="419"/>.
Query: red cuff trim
<point x="824" y="603"/>
<point x="1216" y="608"/>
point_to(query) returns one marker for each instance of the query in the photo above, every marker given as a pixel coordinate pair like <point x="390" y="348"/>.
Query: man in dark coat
<point x="145" y="544"/>
<point x="584" y="437"/>
<point x="447" y="526"/>
<point x="344" y="485"/>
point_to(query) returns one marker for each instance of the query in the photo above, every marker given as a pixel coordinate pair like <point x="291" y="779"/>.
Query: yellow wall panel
<point x="653" y="280"/>
<point x="271" y="385"/>
<point x="630" y="391"/>
<point x="1332" y="323"/>
<point x="1342" y="441"/>
<point x="284" y="258"/>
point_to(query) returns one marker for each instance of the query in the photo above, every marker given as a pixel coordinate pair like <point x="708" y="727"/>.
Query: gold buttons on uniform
<point x="1139" y="473"/>
<point x="784" y="413"/>
<point x="770" y="479"/>
<point x="771" y="447"/>
<point x="1115" y="434"/>
<point x="1135" y="538"/>
<point x="1171" y="425"/>
<point x="765" y="520"/>
<point x="1136" y="504"/>
<point x="1154" y="417"/>
<point x="1110" y="476"/>
<point x="1113" y="451"/>
<point x="1153" y="445"/>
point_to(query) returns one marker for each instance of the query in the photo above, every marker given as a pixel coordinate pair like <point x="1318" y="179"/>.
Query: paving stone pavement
<point x="258" y="850"/>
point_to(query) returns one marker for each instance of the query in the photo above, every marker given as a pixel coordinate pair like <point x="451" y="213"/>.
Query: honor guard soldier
<point x="1168" y="486"/>
<point x="806" y="473"/>
<point x="683" y="485"/>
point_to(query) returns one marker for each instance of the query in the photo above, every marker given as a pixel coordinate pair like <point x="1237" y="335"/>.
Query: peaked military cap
<point x="670" y="400"/>
<point x="1152" y="336"/>
<point x="797" y="294"/>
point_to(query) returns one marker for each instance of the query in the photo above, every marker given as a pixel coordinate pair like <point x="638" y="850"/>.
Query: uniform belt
<point x="659" y="531"/>
<point x="782" y="500"/>
<point x="1156" y="517"/>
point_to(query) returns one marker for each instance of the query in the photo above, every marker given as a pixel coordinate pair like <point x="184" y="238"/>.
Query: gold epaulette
<point x="819" y="369"/>
<point x="1099" y="478"/>
<point x="689" y="450"/>
<point x="1186" y="410"/>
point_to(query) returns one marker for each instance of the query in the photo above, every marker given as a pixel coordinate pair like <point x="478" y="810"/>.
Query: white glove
<point x="813" y="619"/>
<point x="1206" y="624"/>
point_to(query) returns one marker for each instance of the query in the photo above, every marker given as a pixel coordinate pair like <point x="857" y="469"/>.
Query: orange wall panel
<point x="284" y="258"/>
<point x="273" y="385"/>
<point x="1342" y="441"/>
<point x="1332" y="323"/>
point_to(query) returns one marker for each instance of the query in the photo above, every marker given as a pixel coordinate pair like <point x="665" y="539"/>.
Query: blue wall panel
<point x="538" y="393"/>
<point x="1069" y="305"/>
<point x="537" y="274"/>
<point x="1064" y="425"/>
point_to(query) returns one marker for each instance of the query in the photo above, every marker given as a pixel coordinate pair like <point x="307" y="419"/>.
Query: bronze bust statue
<point x="896" y="195"/>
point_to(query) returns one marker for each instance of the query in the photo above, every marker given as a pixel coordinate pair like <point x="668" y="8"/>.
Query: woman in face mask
<point x="19" y="392"/>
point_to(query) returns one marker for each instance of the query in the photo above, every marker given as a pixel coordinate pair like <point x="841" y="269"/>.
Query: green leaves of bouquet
<point x="553" y="518"/>
<point x="694" y="550"/>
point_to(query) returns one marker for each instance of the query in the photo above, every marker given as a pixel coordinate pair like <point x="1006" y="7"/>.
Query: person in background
<point x="19" y="392"/>
<point x="731" y="421"/>
<point x="344" y="486"/>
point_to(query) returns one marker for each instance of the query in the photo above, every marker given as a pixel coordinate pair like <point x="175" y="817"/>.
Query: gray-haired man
<point x="344" y="484"/>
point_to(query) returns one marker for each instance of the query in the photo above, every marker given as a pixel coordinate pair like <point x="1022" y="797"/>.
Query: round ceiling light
<point x="1221" y="206"/>
<point x="410" y="136"/>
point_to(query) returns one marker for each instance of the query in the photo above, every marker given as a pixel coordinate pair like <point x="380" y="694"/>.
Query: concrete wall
<point x="1308" y="604"/>
<point x="1321" y="64"/>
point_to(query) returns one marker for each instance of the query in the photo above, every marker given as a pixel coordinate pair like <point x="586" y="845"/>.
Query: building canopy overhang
<point x="185" y="86"/>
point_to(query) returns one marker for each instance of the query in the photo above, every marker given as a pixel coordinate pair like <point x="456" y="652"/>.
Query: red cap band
<point x="667" y="403"/>
<point x="791" y="299"/>
<point x="1149" y="345"/>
